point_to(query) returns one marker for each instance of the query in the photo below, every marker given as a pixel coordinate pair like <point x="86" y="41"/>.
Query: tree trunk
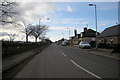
<point x="26" y="38"/>
<point x="35" y="39"/>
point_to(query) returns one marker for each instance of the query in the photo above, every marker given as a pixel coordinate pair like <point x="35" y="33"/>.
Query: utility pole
<point x="95" y="22"/>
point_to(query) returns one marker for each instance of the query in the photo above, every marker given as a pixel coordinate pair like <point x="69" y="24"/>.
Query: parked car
<point x="64" y="43"/>
<point x="84" y="44"/>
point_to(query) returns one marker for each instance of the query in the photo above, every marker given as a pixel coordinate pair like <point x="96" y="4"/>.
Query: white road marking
<point x="85" y="69"/>
<point x="60" y="51"/>
<point x="63" y="53"/>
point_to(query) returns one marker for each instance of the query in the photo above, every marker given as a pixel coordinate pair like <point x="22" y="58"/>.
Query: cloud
<point x="67" y="0"/>
<point x="103" y="24"/>
<point x="32" y="11"/>
<point x="63" y="8"/>
<point x="69" y="8"/>
<point x="69" y="21"/>
<point x="61" y="28"/>
<point x="58" y="28"/>
<point x="73" y="21"/>
<point x="107" y="22"/>
<point x="3" y="34"/>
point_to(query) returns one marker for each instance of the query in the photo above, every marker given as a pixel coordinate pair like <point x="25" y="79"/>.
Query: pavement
<point x="103" y="52"/>
<point x="9" y="62"/>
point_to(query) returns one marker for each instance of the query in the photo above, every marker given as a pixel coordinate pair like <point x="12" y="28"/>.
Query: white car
<point x="84" y="44"/>
<point x="64" y="43"/>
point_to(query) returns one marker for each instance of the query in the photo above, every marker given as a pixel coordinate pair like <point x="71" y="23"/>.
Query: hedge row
<point x="11" y="48"/>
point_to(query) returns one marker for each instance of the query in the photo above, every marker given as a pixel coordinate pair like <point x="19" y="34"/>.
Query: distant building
<point x="87" y="35"/>
<point x="75" y="32"/>
<point x="110" y="37"/>
<point x="60" y="41"/>
<point x="74" y="39"/>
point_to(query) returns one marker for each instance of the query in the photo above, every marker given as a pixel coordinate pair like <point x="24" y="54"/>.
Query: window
<point x="111" y="40"/>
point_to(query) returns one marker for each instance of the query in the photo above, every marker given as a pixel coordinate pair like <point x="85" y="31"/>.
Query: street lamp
<point x="63" y="35"/>
<point x="95" y="22"/>
<point x="69" y="32"/>
<point x="40" y="20"/>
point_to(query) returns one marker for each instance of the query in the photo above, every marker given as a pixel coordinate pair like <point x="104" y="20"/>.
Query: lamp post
<point x="81" y="36"/>
<point x="69" y="32"/>
<point x="63" y="35"/>
<point x="95" y="22"/>
<point x="40" y="20"/>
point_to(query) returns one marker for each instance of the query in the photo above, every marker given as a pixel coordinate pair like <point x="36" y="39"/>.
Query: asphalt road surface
<point x="67" y="62"/>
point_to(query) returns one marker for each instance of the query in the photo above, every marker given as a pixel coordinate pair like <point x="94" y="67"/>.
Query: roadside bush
<point x="11" y="48"/>
<point x="92" y="43"/>
<point x="106" y="46"/>
<point x="116" y="49"/>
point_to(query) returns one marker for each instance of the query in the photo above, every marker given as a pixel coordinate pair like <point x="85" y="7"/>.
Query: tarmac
<point x="9" y="62"/>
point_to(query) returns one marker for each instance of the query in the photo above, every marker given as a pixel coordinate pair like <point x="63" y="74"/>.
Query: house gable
<point x="89" y="33"/>
<point x="111" y="31"/>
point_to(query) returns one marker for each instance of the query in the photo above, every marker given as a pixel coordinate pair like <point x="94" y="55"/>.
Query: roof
<point x="111" y="31"/>
<point x="89" y="33"/>
<point x="75" y="37"/>
<point x="72" y="37"/>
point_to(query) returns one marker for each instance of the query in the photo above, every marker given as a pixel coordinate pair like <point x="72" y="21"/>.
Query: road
<point x="67" y="62"/>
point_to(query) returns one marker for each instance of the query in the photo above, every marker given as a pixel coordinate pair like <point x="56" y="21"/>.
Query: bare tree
<point x="42" y="37"/>
<point x="38" y="30"/>
<point x="12" y="36"/>
<point x="28" y="30"/>
<point x="8" y="12"/>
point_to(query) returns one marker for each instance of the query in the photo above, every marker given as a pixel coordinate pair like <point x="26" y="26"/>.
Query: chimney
<point x="75" y="32"/>
<point x="85" y="29"/>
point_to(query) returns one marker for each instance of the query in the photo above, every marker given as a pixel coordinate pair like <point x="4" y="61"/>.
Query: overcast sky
<point x="63" y="15"/>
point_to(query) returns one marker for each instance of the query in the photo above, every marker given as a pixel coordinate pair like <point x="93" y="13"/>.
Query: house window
<point x="111" y="40"/>
<point x="99" y="40"/>
<point x="105" y="41"/>
<point x="102" y="40"/>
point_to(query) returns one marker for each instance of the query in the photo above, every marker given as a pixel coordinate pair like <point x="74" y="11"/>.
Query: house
<point x="89" y="36"/>
<point x="110" y="37"/>
<point x="60" y="41"/>
<point x="74" y="40"/>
